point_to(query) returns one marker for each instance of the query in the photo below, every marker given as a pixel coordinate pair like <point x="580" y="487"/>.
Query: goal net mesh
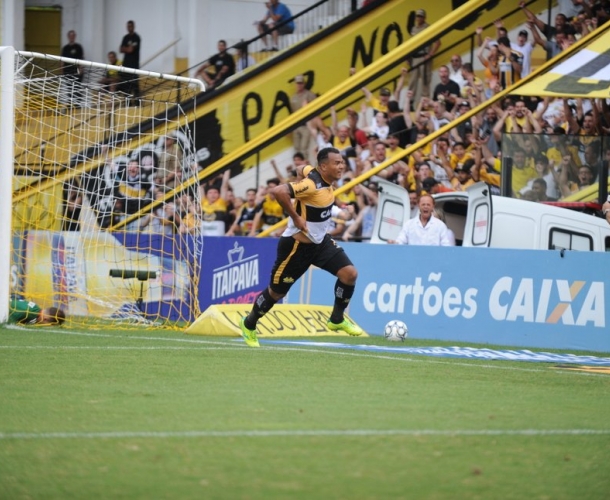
<point x="106" y="204"/>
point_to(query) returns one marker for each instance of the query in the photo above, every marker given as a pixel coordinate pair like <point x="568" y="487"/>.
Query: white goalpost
<point x="98" y="191"/>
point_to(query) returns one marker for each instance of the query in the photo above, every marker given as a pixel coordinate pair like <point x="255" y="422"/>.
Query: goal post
<point x="83" y="146"/>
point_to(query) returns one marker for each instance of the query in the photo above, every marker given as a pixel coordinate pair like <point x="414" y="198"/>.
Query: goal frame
<point x="7" y="137"/>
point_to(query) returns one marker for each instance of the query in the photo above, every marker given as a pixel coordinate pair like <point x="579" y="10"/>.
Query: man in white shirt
<point x="425" y="229"/>
<point x="455" y="70"/>
<point x="526" y="47"/>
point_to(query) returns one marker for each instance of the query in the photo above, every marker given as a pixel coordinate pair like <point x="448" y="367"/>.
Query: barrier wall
<point x="529" y="298"/>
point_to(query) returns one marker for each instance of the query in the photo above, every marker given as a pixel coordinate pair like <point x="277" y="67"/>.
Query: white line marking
<point x="267" y="348"/>
<point x="305" y="433"/>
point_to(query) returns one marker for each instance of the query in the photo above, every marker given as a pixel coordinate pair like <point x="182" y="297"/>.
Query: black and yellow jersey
<point x="314" y="199"/>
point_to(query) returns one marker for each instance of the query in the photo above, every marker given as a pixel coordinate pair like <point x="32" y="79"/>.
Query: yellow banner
<point x="284" y="320"/>
<point x="585" y="74"/>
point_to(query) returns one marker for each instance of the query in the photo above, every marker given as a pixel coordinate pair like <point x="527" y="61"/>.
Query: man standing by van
<point x="424" y="229"/>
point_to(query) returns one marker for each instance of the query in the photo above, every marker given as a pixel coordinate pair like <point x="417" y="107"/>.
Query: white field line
<point x="305" y="433"/>
<point x="266" y="348"/>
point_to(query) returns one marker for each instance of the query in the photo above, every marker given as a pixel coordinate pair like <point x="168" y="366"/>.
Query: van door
<point x="393" y="210"/>
<point x="477" y="232"/>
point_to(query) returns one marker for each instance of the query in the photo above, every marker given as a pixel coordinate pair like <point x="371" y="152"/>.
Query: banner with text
<point x="533" y="298"/>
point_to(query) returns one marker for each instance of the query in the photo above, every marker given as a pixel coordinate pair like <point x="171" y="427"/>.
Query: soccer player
<point x="305" y="242"/>
<point x="26" y="312"/>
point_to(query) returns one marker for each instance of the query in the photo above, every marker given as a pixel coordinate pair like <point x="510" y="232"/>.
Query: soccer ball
<point x="395" y="330"/>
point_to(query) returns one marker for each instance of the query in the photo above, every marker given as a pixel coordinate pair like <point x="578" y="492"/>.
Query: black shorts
<point x="294" y="258"/>
<point x="285" y="29"/>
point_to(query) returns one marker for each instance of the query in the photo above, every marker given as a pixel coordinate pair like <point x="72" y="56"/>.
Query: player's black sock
<point x="263" y="303"/>
<point x="343" y="294"/>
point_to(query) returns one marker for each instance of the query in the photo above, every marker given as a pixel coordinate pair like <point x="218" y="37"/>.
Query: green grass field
<point x="159" y="414"/>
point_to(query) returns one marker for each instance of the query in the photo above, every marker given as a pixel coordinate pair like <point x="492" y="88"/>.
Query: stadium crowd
<point x="554" y="147"/>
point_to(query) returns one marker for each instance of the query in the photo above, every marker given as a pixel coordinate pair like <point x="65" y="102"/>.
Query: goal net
<point x="105" y="198"/>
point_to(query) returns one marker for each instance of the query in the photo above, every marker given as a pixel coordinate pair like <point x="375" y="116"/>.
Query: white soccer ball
<point x="395" y="330"/>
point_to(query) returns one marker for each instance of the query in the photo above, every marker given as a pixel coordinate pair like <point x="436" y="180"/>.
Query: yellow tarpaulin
<point x="585" y="74"/>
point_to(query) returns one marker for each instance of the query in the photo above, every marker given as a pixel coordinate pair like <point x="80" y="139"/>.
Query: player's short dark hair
<point x="323" y="154"/>
<point x="58" y="314"/>
<point x="298" y="155"/>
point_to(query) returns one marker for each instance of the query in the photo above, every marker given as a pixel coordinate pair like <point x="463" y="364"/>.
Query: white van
<point x="480" y="219"/>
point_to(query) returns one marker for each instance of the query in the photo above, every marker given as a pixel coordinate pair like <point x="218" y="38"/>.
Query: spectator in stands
<point x="131" y="45"/>
<point x="377" y="104"/>
<point x="362" y="227"/>
<point x="277" y="21"/>
<point x="353" y="119"/>
<point x="245" y="217"/>
<point x="218" y="68"/>
<point x="73" y="202"/>
<point x="586" y="177"/>
<point x="462" y="178"/>
<point x="549" y="32"/>
<point x="421" y="60"/>
<point x="163" y="219"/>
<point x="510" y="63"/>
<point x="378" y="126"/>
<point x="268" y="212"/>
<point x="525" y="47"/>
<point x="214" y="206"/>
<point x="243" y="59"/>
<point x="446" y="91"/>
<point x="522" y="171"/>
<point x="189" y="214"/>
<point x="491" y="63"/>
<point x="132" y="192"/>
<point x="425" y="229"/>
<point x="545" y="172"/>
<point x="539" y="186"/>
<point x="585" y="125"/>
<point x="301" y="136"/>
<point x="552" y="47"/>
<point x="455" y="70"/>
<point x="72" y="50"/>
<point x="112" y="77"/>
<point x="592" y="157"/>
<point x="340" y="137"/>
<point x="168" y="173"/>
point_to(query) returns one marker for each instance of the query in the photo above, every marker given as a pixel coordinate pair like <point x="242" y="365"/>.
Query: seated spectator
<point x="221" y="66"/>
<point x="112" y="77"/>
<point x="274" y="23"/>
<point x="425" y="229"/>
